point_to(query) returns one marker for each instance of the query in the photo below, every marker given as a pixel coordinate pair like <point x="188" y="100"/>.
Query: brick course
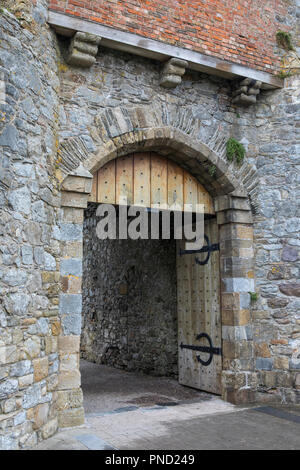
<point x="238" y="31"/>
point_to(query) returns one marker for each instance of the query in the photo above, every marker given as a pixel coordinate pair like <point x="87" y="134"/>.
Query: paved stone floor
<point x="127" y="411"/>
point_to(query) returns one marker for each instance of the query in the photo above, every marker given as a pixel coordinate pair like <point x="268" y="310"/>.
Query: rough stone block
<point x="68" y="344"/>
<point x="21" y="368"/>
<point x="32" y="396"/>
<point x="234" y="216"/>
<point x="262" y="349"/>
<point x="263" y="363"/>
<point x="71" y="418"/>
<point x="68" y="380"/>
<point x="71" y="324"/>
<point x="72" y="199"/>
<point x="77" y="184"/>
<point x="25" y="381"/>
<point x="49" y="428"/>
<point x="69" y="362"/>
<point x="71" y="266"/>
<point x="71" y="232"/>
<point x="236" y="317"/>
<point x="40" y="368"/>
<point x="291" y="289"/>
<point x="50" y="344"/>
<point x="52" y="382"/>
<point x="70" y="304"/>
<point x="56" y="327"/>
<point x="73" y="215"/>
<point x="40" y="415"/>
<point x="238" y="284"/>
<point x="67" y="399"/>
<point x="8" y="354"/>
<point x="71" y="284"/>
<point x="281" y="362"/>
<point x="8" y="387"/>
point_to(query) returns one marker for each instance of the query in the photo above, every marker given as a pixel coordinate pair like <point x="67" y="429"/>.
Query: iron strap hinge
<point x="211" y="350"/>
<point x="206" y="349"/>
<point x="209" y="248"/>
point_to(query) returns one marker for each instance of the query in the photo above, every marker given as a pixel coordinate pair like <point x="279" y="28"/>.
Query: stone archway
<point x="230" y="188"/>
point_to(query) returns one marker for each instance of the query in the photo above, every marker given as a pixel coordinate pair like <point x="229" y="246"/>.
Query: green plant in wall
<point x="235" y="151"/>
<point x="212" y="170"/>
<point x="284" y="40"/>
<point x="253" y="296"/>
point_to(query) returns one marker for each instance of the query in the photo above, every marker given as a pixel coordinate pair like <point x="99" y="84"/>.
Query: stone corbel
<point x="172" y="72"/>
<point x="233" y="209"/>
<point x="247" y="91"/>
<point x="76" y="188"/>
<point x="83" y="49"/>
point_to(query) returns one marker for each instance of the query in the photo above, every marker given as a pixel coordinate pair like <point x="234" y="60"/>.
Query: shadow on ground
<point x="106" y="389"/>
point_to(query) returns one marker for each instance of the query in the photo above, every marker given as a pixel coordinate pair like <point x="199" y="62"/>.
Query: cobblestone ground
<point x="126" y="411"/>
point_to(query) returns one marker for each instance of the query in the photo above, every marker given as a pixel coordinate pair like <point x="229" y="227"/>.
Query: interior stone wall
<point x="129" y="302"/>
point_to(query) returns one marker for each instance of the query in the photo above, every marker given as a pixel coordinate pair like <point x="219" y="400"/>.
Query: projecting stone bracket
<point x="76" y="188"/>
<point x="246" y="92"/>
<point x="172" y="72"/>
<point x="83" y="49"/>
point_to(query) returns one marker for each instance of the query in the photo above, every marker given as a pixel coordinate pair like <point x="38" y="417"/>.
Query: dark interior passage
<point x="129" y="302"/>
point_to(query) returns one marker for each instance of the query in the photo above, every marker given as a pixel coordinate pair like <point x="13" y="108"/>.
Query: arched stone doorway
<point x="136" y="291"/>
<point x="233" y="216"/>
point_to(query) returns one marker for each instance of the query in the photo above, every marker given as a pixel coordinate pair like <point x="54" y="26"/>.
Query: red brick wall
<point x="240" y="31"/>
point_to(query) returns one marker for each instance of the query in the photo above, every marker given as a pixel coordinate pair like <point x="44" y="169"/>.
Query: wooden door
<point x="199" y="313"/>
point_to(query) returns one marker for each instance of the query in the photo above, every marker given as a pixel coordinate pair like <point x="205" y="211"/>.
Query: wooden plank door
<point x="198" y="301"/>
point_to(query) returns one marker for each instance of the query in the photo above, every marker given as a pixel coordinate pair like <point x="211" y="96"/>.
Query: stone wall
<point x="271" y="134"/>
<point x="29" y="204"/>
<point x="129" y="302"/>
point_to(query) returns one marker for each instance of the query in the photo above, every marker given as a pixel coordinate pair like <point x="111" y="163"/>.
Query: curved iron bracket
<point x="209" y="248"/>
<point x="211" y="350"/>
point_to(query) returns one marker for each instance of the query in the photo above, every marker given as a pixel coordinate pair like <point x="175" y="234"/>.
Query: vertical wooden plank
<point x="184" y="310"/>
<point x="107" y="183"/>
<point x="124" y="180"/>
<point x="205" y="198"/>
<point x="199" y="311"/>
<point x="93" y="195"/>
<point x="175" y="186"/>
<point x="159" y="182"/>
<point x="141" y="179"/>
<point x="190" y="191"/>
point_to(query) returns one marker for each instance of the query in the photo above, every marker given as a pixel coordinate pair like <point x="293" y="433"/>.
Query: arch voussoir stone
<point x="169" y="129"/>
